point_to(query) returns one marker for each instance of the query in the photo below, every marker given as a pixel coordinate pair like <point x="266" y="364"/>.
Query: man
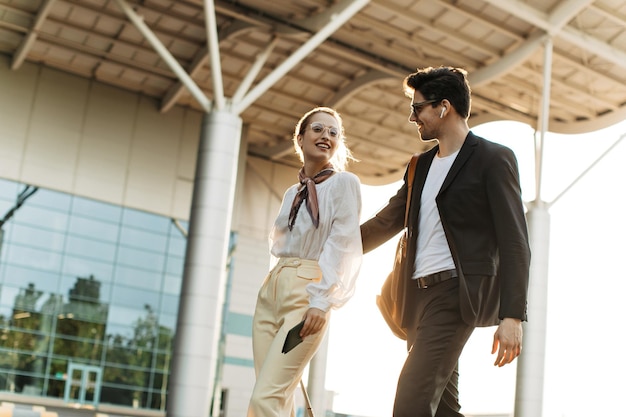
<point x="468" y="254"/>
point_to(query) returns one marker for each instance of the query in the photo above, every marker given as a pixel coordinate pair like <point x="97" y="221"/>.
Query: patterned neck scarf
<point x="307" y="192"/>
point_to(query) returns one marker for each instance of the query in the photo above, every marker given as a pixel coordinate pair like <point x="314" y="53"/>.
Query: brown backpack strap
<point x="410" y="178"/>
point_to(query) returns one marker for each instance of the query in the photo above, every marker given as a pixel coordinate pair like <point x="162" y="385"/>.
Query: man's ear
<point x="445" y="103"/>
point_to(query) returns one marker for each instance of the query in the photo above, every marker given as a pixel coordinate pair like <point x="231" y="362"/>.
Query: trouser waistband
<point x="295" y="262"/>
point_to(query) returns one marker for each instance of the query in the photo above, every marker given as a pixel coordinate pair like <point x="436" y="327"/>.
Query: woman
<point x="318" y="251"/>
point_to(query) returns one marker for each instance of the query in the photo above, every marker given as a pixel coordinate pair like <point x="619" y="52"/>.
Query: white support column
<point x="530" y="366"/>
<point x="531" y="363"/>
<point x="195" y="355"/>
<point x="544" y="116"/>
<point x="316" y="386"/>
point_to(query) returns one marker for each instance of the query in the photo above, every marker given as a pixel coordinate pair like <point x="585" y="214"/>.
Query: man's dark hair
<point x="439" y="83"/>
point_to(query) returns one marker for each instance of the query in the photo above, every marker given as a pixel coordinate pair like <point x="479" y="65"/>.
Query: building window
<point x="88" y="298"/>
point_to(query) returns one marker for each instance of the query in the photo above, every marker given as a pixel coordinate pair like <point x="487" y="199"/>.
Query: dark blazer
<point x="483" y="218"/>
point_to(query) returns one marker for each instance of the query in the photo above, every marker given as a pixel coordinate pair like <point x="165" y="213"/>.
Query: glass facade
<point x="88" y="298"/>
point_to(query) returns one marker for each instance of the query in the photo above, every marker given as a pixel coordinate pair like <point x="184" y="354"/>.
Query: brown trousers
<point x="428" y="382"/>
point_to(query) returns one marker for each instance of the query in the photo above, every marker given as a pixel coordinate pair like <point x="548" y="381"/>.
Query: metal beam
<point x="174" y="92"/>
<point x="479" y="20"/>
<point x="508" y="62"/>
<point x="590" y="125"/>
<point x="556" y="23"/>
<point x="214" y="55"/>
<point x="247" y="81"/>
<point x="348" y="9"/>
<point x="272" y="153"/>
<point x="370" y="77"/>
<point x="29" y="40"/>
<point x="169" y="59"/>
<point x="601" y="157"/>
<point x="434" y="26"/>
<point x="564" y="12"/>
<point x="594" y="46"/>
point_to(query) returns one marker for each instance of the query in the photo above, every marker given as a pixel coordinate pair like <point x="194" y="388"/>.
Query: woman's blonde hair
<point x="342" y="154"/>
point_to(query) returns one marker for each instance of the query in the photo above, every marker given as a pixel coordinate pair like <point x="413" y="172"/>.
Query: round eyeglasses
<point x="318" y="127"/>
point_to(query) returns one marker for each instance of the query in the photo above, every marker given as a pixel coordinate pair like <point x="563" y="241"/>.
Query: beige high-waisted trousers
<point x="281" y="304"/>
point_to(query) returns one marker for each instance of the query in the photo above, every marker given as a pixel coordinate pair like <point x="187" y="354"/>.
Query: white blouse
<point x="335" y="244"/>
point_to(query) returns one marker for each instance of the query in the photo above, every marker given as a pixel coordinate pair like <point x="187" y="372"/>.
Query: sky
<point x="584" y="370"/>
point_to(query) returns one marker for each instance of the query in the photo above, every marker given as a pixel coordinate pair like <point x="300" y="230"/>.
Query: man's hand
<point x="314" y="321"/>
<point x="507" y="341"/>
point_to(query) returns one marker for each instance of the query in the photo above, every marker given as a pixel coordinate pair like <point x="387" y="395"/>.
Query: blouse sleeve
<point x="342" y="252"/>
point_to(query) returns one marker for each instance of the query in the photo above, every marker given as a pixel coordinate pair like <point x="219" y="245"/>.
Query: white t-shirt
<point x="433" y="253"/>
<point x="335" y="244"/>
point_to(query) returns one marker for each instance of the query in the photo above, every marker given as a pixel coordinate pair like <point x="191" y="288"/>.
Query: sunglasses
<point x="418" y="107"/>
<point x="318" y="128"/>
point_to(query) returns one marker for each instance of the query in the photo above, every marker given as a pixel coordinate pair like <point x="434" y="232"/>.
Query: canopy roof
<point x="357" y="68"/>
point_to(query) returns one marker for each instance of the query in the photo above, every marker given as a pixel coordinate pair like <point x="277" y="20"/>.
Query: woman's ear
<point x="300" y="141"/>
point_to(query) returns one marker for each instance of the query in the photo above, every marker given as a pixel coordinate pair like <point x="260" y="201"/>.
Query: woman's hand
<point x="314" y="321"/>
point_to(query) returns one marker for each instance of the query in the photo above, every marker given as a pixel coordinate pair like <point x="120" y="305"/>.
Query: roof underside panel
<point x="358" y="69"/>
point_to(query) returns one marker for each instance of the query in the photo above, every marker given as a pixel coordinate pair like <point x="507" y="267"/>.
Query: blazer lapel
<point x="464" y="154"/>
<point x="421" y="171"/>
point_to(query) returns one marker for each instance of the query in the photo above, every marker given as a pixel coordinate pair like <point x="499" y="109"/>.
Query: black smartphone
<point x="293" y="338"/>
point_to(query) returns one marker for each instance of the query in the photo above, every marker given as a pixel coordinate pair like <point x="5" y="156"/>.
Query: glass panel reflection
<point x="139" y="258"/>
<point x="96" y="210"/>
<point x="79" y="266"/>
<point x="47" y="199"/>
<point x="8" y="190"/>
<point x="44" y="280"/>
<point x="38" y="238"/>
<point x="90" y="248"/>
<point x="18" y="254"/>
<point x="94" y="229"/>
<point x="138" y="278"/>
<point x="143" y="239"/>
<point x="146" y="221"/>
<point x="41" y="218"/>
<point x="128" y="303"/>
<point x="82" y="288"/>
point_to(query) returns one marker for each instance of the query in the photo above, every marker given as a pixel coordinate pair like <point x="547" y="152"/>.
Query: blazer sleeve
<point x="504" y="195"/>
<point x="387" y="222"/>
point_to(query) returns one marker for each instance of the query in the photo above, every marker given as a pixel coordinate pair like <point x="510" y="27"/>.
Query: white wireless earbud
<point x="442" y="111"/>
